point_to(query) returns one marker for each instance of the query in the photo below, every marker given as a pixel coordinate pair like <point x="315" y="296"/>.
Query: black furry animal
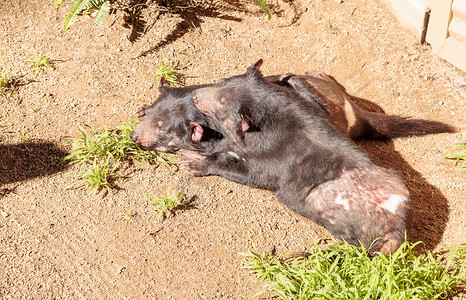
<point x="172" y="122"/>
<point x="286" y="144"/>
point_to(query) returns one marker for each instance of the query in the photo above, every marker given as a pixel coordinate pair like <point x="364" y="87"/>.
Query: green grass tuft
<point x="263" y="5"/>
<point x="5" y="83"/>
<point x="39" y="63"/>
<point x="102" y="175"/>
<point x="6" y="127"/>
<point x="166" y="205"/>
<point x="58" y="3"/>
<point x="8" y="86"/>
<point x="128" y="215"/>
<point x="108" y="152"/>
<point x="343" y="271"/>
<point x="99" y="9"/>
<point x="170" y="73"/>
<point x="458" y="152"/>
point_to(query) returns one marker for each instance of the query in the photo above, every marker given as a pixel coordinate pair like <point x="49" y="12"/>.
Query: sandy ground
<point x="60" y="242"/>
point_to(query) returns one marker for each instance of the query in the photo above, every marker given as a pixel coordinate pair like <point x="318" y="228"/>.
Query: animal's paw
<point x="193" y="162"/>
<point x="141" y="112"/>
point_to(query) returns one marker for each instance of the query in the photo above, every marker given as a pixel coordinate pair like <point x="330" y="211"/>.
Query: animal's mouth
<point x="197" y="131"/>
<point x="158" y="148"/>
<point x="202" y="133"/>
<point x="211" y="134"/>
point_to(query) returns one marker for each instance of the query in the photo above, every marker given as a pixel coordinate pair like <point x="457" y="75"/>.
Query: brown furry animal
<point x="352" y="120"/>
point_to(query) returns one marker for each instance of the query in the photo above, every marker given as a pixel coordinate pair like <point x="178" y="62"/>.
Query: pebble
<point x="4" y="214"/>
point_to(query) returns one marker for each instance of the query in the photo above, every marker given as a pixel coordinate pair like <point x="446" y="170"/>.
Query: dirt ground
<point x="65" y="243"/>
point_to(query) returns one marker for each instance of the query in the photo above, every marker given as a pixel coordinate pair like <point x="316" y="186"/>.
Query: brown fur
<point x="352" y="120"/>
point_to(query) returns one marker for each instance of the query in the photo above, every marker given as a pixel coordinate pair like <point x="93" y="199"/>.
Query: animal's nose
<point x="134" y="136"/>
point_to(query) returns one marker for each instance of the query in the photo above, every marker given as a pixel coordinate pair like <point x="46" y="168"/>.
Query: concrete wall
<point x="410" y="13"/>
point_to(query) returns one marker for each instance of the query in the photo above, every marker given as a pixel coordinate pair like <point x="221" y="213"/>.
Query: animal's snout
<point x="134" y="136"/>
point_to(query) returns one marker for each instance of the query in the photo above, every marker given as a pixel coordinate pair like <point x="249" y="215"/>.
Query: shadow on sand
<point x="24" y="161"/>
<point x="430" y="213"/>
<point x="194" y="13"/>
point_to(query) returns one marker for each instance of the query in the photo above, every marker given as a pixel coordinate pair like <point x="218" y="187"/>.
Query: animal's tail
<point x="385" y="126"/>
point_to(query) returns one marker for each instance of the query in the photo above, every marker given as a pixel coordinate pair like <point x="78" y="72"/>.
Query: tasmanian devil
<point x="285" y="144"/>
<point x="172" y="122"/>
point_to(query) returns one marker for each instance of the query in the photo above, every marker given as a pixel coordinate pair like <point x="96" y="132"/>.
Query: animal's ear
<point x="246" y="123"/>
<point x="196" y="131"/>
<point x="258" y="64"/>
<point x="163" y="86"/>
<point x="255" y="68"/>
<point x="285" y="77"/>
<point x="250" y="120"/>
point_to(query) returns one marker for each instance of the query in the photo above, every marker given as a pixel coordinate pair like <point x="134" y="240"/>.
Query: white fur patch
<point x="233" y="154"/>
<point x="392" y="203"/>
<point x="342" y="201"/>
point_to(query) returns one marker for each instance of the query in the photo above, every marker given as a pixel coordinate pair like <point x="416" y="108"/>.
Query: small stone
<point x="4" y="214"/>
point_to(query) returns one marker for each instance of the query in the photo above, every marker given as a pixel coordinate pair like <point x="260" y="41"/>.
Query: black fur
<point x="177" y="113"/>
<point x="166" y="125"/>
<point x="285" y="144"/>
